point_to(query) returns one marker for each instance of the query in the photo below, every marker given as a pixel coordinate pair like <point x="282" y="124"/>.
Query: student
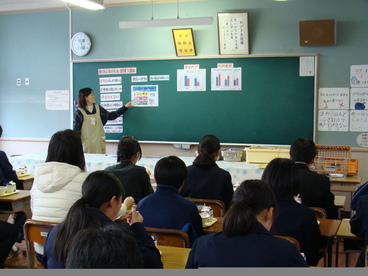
<point x="246" y="240"/>
<point x="7" y="173"/>
<point x="135" y="179"/>
<point x="205" y="178"/>
<point x="165" y="208"/>
<point x="315" y="188"/>
<point x="107" y="247"/>
<point x="359" y="226"/>
<point x="102" y="195"/>
<point x="90" y="119"/>
<point x="8" y="236"/>
<point x="294" y="219"/>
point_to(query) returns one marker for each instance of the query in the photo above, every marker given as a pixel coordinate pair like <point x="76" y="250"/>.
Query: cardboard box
<point x="262" y="154"/>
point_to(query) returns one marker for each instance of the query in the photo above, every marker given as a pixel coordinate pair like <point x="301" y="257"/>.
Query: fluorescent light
<point x="165" y="22"/>
<point x="88" y="4"/>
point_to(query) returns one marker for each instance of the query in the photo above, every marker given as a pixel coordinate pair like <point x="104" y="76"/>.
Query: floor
<point x="20" y="261"/>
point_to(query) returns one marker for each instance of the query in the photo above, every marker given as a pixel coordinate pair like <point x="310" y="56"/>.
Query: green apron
<point x="92" y="132"/>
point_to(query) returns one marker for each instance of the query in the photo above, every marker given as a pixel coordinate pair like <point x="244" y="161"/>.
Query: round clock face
<point x="80" y="44"/>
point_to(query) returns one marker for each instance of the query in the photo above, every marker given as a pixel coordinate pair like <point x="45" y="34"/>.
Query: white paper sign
<point x="333" y="120"/>
<point x="306" y="67"/>
<point x="359" y="120"/>
<point x="57" y="99"/>
<point x="333" y="98"/>
<point x="359" y="76"/>
<point x="359" y="98"/>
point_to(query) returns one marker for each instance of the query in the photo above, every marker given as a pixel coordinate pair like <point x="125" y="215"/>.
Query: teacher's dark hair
<point x="170" y="171"/>
<point x="249" y="199"/>
<point x="208" y="146"/>
<point x="303" y="150"/>
<point x="98" y="189"/>
<point x="127" y="147"/>
<point x="107" y="247"/>
<point x="84" y="92"/>
<point x="66" y="146"/>
<point x="282" y="174"/>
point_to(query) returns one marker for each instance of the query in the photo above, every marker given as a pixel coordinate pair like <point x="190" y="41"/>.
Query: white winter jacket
<point x="55" y="188"/>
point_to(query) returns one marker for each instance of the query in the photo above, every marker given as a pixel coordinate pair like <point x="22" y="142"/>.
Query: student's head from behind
<point x="82" y="95"/>
<point x="170" y="171"/>
<point x="107" y="247"/>
<point x="303" y="150"/>
<point x="1" y="131"/>
<point x="282" y="174"/>
<point x="100" y="190"/>
<point x="208" y="150"/>
<point x="128" y="147"/>
<point x="66" y="146"/>
<point x="253" y="202"/>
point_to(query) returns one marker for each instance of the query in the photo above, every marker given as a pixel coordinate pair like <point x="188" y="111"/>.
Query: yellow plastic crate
<point x="260" y="154"/>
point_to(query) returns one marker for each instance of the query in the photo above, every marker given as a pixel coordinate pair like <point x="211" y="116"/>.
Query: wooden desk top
<point x="344" y="231"/>
<point x="174" y="257"/>
<point x="27" y="177"/>
<point x="18" y="196"/>
<point x="346" y="180"/>
<point x="216" y="227"/>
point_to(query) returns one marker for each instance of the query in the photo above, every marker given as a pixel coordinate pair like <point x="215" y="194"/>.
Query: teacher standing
<point x="90" y="119"/>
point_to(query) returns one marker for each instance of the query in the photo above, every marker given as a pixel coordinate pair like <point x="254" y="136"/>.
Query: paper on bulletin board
<point x="226" y="78"/>
<point x="333" y="98"/>
<point x="144" y="95"/>
<point x="333" y="120"/>
<point x="191" y="80"/>
<point x="306" y="66"/>
<point x="359" y="75"/>
<point x="57" y="99"/>
<point x="359" y="98"/>
<point x="359" y="120"/>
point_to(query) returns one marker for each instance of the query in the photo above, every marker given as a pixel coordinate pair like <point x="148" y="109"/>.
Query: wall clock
<point x="80" y="44"/>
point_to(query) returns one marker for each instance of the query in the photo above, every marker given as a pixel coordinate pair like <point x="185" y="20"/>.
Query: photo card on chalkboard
<point x="233" y="33"/>
<point x="184" y="42"/>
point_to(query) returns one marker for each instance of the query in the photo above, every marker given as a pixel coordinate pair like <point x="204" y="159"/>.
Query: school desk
<point x="17" y="202"/>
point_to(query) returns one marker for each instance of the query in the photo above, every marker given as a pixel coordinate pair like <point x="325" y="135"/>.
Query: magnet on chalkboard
<point x="359" y="106"/>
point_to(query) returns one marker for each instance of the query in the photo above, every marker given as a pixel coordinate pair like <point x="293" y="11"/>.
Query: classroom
<point x="41" y="76"/>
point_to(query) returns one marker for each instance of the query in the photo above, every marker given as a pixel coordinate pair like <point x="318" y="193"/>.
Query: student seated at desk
<point x="165" y="208"/>
<point x="205" y="178"/>
<point x="246" y="240"/>
<point x="107" y="247"/>
<point x="314" y="188"/>
<point x="294" y="219"/>
<point x="102" y="196"/>
<point x="359" y="225"/>
<point x="135" y="179"/>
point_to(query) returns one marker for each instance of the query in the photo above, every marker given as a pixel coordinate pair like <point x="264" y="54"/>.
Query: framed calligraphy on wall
<point x="233" y="33"/>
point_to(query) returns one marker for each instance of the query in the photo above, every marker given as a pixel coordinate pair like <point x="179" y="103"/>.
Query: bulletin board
<point x="273" y="105"/>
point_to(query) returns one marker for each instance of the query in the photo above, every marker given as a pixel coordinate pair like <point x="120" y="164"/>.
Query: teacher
<point x="90" y="119"/>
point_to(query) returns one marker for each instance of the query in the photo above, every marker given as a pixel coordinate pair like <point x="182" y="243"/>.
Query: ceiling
<point x="15" y="6"/>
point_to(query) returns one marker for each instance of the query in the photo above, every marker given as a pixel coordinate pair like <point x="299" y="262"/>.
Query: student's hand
<point x="134" y="216"/>
<point x="129" y="201"/>
<point x="129" y="105"/>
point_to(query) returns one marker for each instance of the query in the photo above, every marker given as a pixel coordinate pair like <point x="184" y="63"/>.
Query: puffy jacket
<point x="56" y="187"/>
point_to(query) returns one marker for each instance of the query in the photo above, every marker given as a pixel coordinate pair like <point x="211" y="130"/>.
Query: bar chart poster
<point x="191" y="80"/>
<point x="226" y="78"/>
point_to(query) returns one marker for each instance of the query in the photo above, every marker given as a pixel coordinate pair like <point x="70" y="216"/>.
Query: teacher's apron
<point x="92" y="132"/>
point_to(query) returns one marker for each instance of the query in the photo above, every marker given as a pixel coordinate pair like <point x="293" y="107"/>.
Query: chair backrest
<point x="35" y="231"/>
<point x="290" y="239"/>
<point x="170" y="237"/>
<point x="319" y="212"/>
<point x="217" y="206"/>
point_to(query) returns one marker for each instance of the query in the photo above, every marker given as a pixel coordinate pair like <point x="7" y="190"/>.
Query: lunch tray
<point x="210" y="223"/>
<point x="8" y="194"/>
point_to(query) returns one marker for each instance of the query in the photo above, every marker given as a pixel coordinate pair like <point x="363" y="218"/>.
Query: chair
<point x="35" y="231"/>
<point x="169" y="237"/>
<point x="319" y="212"/>
<point x="217" y="206"/>
<point x="290" y="239"/>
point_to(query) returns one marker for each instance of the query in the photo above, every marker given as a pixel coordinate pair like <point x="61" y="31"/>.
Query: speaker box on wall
<point x="317" y="32"/>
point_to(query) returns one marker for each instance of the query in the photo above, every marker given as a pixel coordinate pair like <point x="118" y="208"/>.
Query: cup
<point x="2" y="190"/>
<point x="10" y="187"/>
<point x="22" y="169"/>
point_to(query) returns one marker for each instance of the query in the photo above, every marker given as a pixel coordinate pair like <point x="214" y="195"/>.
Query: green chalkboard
<point x="274" y="106"/>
